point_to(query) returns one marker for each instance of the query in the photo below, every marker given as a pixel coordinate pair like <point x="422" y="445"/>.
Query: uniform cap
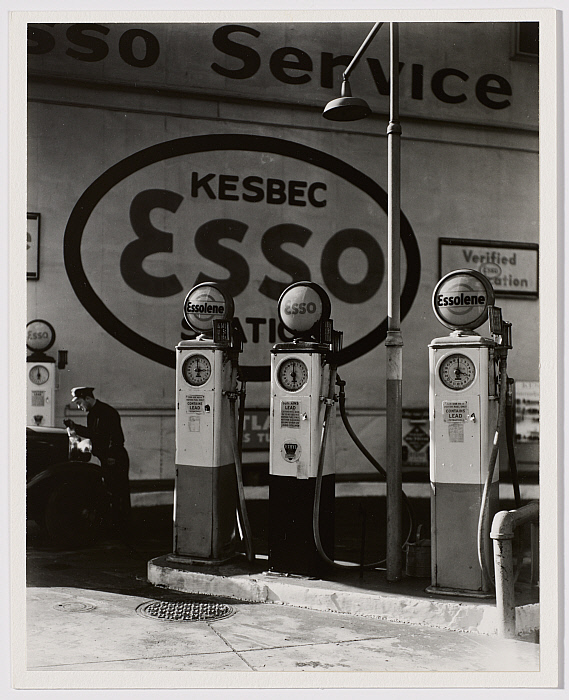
<point x="80" y="392"/>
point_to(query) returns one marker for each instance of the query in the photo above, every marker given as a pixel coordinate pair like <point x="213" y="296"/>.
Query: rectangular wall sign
<point x="512" y="268"/>
<point x="33" y="246"/>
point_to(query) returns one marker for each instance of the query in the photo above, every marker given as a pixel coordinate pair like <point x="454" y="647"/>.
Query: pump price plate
<point x="455" y="411"/>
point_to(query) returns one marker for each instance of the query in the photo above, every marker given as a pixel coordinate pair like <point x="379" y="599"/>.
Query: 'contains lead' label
<point x="290" y="414"/>
<point x="455" y="411"/>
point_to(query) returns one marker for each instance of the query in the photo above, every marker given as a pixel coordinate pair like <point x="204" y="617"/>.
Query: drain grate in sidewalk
<point x="185" y="611"/>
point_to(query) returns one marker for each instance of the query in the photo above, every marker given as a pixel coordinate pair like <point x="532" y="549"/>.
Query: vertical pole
<point x="394" y="341"/>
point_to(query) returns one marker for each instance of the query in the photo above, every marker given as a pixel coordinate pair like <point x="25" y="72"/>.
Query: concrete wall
<point x="149" y="144"/>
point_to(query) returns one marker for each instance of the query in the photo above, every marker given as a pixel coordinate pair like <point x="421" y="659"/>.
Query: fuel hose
<point x="367" y="454"/>
<point x="318" y="489"/>
<point x="241" y="504"/>
<point x="484" y="554"/>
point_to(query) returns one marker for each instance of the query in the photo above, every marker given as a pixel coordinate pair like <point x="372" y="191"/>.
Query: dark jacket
<point x="104" y="430"/>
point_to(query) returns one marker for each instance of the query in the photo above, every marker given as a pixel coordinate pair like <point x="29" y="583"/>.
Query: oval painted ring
<point x="221" y="142"/>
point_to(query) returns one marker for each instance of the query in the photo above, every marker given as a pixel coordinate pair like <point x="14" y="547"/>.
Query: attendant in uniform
<point x="105" y="432"/>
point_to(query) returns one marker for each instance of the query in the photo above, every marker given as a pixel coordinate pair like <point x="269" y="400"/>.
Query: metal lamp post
<point x="348" y="108"/>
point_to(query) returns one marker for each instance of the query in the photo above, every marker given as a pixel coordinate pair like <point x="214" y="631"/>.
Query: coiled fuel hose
<point x="318" y="489"/>
<point x="484" y="554"/>
<point x="241" y="504"/>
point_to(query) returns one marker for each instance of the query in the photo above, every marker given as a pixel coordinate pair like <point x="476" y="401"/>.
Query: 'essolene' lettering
<point x="205" y="308"/>
<point x="461" y="300"/>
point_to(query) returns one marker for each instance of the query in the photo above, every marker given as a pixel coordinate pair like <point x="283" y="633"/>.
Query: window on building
<point x="526" y="42"/>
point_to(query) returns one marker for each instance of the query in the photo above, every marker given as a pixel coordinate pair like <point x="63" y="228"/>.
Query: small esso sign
<point x="461" y="299"/>
<point x="205" y="303"/>
<point x="302" y="306"/>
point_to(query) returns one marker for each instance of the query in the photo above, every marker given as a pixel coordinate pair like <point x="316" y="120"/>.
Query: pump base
<point x="205" y="525"/>
<point x="179" y="559"/>
<point x="441" y="590"/>
<point x="292" y="549"/>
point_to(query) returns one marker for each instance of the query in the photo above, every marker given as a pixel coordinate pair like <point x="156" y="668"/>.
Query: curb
<point x="232" y="581"/>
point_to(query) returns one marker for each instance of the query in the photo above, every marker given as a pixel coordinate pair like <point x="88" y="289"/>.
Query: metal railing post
<point x="503" y="529"/>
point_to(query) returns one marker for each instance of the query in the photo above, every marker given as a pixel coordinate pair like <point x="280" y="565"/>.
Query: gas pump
<point x="302" y="416"/>
<point x="468" y="388"/>
<point x="41" y="379"/>
<point x="209" y="503"/>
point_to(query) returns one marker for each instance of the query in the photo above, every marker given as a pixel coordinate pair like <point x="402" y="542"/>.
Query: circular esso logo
<point x="302" y="306"/>
<point x="40" y="335"/>
<point x="248" y="214"/>
<point x="491" y="270"/>
<point x="205" y="303"/>
<point x="461" y="299"/>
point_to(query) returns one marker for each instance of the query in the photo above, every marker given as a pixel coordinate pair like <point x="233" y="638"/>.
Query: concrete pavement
<point x="81" y="629"/>
<point x="82" y="622"/>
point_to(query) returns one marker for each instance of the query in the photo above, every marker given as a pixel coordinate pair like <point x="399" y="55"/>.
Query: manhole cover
<point x="185" y="611"/>
<point x="74" y="607"/>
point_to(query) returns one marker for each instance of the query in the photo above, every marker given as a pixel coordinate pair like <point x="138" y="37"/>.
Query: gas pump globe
<point x="463" y="408"/>
<point x="302" y="389"/>
<point x="206" y="488"/>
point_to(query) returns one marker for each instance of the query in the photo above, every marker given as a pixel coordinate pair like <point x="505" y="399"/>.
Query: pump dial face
<point x="292" y="374"/>
<point x="457" y="372"/>
<point x="39" y="374"/>
<point x="196" y="370"/>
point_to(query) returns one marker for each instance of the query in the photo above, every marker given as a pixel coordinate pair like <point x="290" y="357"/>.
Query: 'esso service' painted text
<point x="289" y="65"/>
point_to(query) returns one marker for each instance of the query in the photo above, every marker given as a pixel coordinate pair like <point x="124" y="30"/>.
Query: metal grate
<point x="74" y="606"/>
<point x="185" y="611"/>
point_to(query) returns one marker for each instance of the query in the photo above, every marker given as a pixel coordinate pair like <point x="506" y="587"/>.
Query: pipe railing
<point x="502" y="532"/>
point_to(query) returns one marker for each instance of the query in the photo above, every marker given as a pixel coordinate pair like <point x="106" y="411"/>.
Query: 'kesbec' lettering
<point x="461" y="300"/>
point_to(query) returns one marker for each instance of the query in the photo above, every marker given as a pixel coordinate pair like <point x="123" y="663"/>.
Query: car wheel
<point x="76" y="513"/>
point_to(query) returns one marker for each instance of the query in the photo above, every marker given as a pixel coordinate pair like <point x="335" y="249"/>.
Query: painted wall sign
<point x="256" y="430"/>
<point x="300" y="62"/>
<point x="231" y="215"/>
<point x="512" y="268"/>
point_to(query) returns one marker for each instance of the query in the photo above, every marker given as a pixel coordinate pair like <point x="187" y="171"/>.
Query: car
<point x="66" y="491"/>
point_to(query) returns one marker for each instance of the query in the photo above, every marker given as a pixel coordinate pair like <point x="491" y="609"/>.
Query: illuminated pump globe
<point x="461" y="299"/>
<point x="302" y="307"/>
<point x="205" y="303"/>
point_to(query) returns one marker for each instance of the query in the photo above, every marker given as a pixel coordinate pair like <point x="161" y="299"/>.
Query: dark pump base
<point x="292" y="549"/>
<point x="442" y="590"/>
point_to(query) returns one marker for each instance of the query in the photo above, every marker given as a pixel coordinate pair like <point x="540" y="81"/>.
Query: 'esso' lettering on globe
<point x="291" y="309"/>
<point x="461" y="300"/>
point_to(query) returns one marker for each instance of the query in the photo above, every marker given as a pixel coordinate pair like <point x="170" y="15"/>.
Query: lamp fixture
<point x="346" y="108"/>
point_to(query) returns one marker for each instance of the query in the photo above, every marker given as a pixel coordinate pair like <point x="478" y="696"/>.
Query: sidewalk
<point x="83" y="615"/>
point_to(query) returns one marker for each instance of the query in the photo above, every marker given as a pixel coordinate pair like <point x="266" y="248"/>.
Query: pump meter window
<point x="292" y="374"/>
<point x="457" y="372"/>
<point x="39" y="374"/>
<point x="196" y="370"/>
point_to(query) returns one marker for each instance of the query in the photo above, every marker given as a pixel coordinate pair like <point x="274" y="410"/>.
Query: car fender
<point x="38" y="487"/>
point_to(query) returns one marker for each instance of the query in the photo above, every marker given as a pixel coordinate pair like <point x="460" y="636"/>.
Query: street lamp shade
<point x="346" y="108"/>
